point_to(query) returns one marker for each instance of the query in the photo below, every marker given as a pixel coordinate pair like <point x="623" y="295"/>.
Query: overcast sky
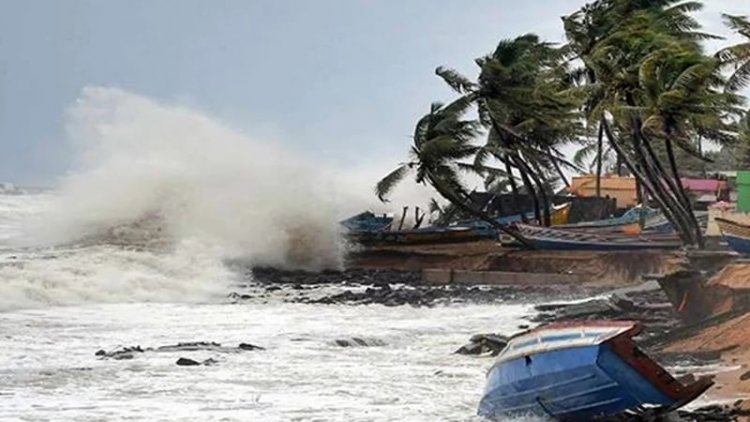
<point x="338" y="80"/>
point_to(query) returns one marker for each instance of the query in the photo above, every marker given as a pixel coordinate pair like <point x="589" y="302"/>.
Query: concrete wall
<point x="447" y="276"/>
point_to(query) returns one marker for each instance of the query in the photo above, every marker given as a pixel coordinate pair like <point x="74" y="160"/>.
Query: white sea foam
<point x="159" y="196"/>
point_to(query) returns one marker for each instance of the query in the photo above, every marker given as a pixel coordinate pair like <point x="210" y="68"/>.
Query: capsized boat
<point x="736" y="234"/>
<point x="580" y="371"/>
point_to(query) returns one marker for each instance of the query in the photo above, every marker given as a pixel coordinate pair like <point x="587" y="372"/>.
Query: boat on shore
<point x="580" y="371"/>
<point x="736" y="234"/>
<point x="546" y="238"/>
<point x="559" y="215"/>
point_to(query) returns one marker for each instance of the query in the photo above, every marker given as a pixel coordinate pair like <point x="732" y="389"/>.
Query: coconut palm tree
<point x="650" y="68"/>
<point x="737" y="57"/>
<point x="442" y="142"/>
<point x="527" y="110"/>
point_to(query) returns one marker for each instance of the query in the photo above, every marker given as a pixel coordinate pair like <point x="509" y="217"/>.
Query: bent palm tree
<point x="737" y="56"/>
<point x="441" y="140"/>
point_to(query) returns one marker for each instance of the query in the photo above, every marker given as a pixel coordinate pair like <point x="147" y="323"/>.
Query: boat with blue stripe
<point x="736" y="234"/>
<point x="580" y="371"/>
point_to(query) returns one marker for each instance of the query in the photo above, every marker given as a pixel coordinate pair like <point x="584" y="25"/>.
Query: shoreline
<point x="615" y="286"/>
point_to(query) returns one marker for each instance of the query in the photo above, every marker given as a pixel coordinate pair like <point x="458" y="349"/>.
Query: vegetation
<point x="633" y="86"/>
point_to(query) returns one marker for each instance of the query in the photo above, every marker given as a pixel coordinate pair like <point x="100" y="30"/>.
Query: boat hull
<point x="736" y="235"/>
<point x="580" y="371"/>
<point x="738" y="244"/>
<point x="544" y="238"/>
<point x="575" y="384"/>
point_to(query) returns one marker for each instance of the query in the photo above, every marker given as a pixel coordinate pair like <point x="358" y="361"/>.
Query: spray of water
<point x="160" y="196"/>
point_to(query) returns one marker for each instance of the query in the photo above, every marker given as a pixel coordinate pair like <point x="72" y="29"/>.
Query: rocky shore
<point x="683" y="348"/>
<point x="387" y="287"/>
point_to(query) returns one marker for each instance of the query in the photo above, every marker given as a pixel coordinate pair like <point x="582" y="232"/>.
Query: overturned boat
<point x="581" y="371"/>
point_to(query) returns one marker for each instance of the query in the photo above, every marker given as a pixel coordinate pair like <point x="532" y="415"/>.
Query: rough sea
<point x="60" y="304"/>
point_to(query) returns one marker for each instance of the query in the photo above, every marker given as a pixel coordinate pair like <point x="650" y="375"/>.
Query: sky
<point x="340" y="81"/>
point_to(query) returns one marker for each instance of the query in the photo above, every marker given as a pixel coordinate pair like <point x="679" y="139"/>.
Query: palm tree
<point x="651" y="82"/>
<point x="442" y="141"/>
<point x="528" y="112"/>
<point x="680" y="101"/>
<point x="737" y="57"/>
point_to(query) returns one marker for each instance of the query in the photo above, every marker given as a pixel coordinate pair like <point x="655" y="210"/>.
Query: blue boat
<point x="545" y="238"/>
<point x="367" y="222"/>
<point x="737" y="235"/>
<point x="631" y="216"/>
<point x="580" y="371"/>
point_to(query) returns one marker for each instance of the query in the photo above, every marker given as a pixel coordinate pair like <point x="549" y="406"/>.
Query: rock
<point x="123" y="356"/>
<point x="120" y="354"/>
<point x="190" y="346"/>
<point x="484" y="343"/>
<point x="248" y="346"/>
<point x="470" y="349"/>
<point x="359" y="342"/>
<point x="187" y="362"/>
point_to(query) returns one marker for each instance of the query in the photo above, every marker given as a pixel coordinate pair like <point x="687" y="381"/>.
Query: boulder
<point x="187" y="362"/>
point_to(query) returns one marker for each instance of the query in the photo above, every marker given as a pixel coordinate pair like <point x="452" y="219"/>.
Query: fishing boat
<point x="367" y="222"/>
<point x="631" y="217"/>
<point x="559" y="215"/>
<point x="736" y="234"/>
<point x="546" y="238"/>
<point x="580" y="371"/>
<point x="418" y="236"/>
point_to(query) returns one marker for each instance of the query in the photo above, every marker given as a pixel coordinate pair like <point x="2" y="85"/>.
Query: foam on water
<point x="158" y="198"/>
<point x="50" y="371"/>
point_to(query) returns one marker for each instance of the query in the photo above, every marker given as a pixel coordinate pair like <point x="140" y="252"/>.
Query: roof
<point x="607" y="183"/>
<point x="703" y="185"/>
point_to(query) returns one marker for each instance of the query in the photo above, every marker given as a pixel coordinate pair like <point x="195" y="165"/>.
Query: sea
<point x="60" y="304"/>
<point x="131" y="248"/>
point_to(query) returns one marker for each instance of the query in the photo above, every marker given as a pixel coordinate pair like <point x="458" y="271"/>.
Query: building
<point x="706" y="191"/>
<point x="620" y="188"/>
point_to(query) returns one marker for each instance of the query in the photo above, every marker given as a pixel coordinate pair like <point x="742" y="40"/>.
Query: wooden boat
<point x="559" y="215"/>
<point x="632" y="216"/>
<point x="557" y="239"/>
<point x="737" y="235"/>
<point x="419" y="236"/>
<point x="580" y="371"/>
<point x="366" y="222"/>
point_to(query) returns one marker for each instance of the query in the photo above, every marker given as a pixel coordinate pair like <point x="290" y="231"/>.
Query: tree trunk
<point x="681" y="204"/>
<point x="535" y="173"/>
<point x="514" y="188"/>
<point x="654" y="170"/>
<point x="559" y="171"/>
<point x="529" y="189"/>
<point x="682" y="194"/>
<point x="456" y="200"/>
<point x="599" y="147"/>
<point x="639" y="175"/>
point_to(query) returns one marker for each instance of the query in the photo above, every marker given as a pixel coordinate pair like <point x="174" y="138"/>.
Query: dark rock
<point x="123" y="356"/>
<point x="359" y="342"/>
<point x="187" y="362"/>
<point x="484" y="343"/>
<point x="120" y="354"/>
<point x="248" y="346"/>
<point x="470" y="349"/>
